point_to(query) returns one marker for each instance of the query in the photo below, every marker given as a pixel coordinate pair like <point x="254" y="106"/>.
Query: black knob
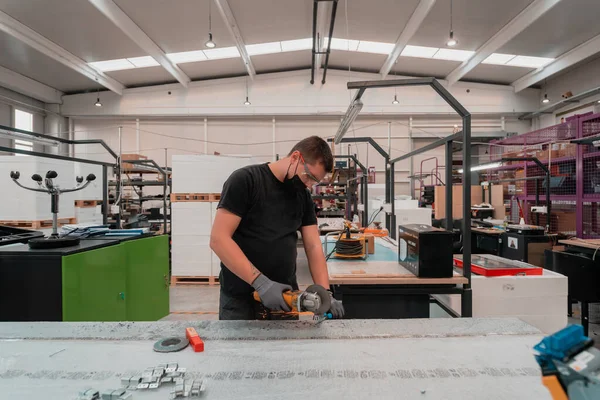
<point x="91" y="177"/>
<point x="15" y="174"/>
<point x="79" y="179"/>
<point x="37" y="178"/>
<point x="51" y="174"/>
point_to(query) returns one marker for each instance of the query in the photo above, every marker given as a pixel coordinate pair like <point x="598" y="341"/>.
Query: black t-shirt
<point x="271" y="215"/>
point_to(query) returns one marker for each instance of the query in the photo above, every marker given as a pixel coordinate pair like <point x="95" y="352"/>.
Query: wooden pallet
<point x="39" y="224"/>
<point x="194" y="280"/>
<point x="87" y="203"/>
<point x="182" y="197"/>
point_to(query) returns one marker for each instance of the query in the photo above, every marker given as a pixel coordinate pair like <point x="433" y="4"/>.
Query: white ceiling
<point x="75" y="25"/>
<point x="565" y="26"/>
<point x="177" y="25"/>
<point x="26" y="61"/>
<point x="474" y="22"/>
<point x="182" y="25"/>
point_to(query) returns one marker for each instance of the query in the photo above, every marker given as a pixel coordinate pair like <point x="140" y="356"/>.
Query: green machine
<point x="100" y="279"/>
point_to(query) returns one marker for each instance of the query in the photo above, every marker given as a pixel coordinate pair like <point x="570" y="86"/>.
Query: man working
<point x="254" y="232"/>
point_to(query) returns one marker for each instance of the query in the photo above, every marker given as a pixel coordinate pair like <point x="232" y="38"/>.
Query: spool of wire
<point x="349" y="247"/>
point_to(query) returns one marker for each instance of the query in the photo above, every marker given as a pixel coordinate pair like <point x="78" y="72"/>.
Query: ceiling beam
<point x="515" y="26"/>
<point x="323" y="19"/>
<point x="33" y="39"/>
<point x="411" y="27"/>
<point x="568" y="59"/>
<point x="27" y="86"/>
<point x="232" y="25"/>
<point x="122" y="21"/>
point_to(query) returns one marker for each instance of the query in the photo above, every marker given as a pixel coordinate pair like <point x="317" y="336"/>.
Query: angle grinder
<point x="314" y="299"/>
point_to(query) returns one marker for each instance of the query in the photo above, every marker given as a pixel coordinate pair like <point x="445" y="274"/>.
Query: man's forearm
<point x="234" y="258"/>
<point x="318" y="266"/>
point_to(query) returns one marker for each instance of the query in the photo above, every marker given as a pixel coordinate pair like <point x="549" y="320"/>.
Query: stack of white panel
<point x="538" y="300"/>
<point x="25" y="205"/>
<point x="94" y="189"/>
<point x="204" y="174"/>
<point x="89" y="215"/>
<point x="191" y="225"/>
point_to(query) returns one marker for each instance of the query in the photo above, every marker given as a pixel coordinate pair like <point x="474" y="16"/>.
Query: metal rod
<point x="449" y="220"/>
<point x="467" y="296"/>
<point x="457" y="136"/>
<point x="55" y="156"/>
<point x="61" y="140"/>
<point x="104" y="195"/>
<point x="314" y="45"/>
<point x="392" y="185"/>
<point x="331" y="24"/>
<point x="368" y="140"/>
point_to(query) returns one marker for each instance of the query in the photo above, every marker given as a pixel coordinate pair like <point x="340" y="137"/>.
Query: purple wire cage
<point x="575" y="176"/>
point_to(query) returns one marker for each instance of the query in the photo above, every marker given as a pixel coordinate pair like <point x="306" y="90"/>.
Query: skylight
<point x="530" y="62"/>
<point x="375" y="47"/>
<point x="295" y="45"/>
<point x="221" y="52"/>
<point x="141" y="62"/>
<point x="498" y="58"/>
<point x="263" y="48"/>
<point x="419" y="51"/>
<point x="187" y="56"/>
<point x="112" y="65"/>
<point x="453" y="54"/>
<point x="361" y="46"/>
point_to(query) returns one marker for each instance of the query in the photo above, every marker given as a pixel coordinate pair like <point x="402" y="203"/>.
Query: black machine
<point x="526" y="243"/>
<point x="47" y="186"/>
<point x="425" y="251"/>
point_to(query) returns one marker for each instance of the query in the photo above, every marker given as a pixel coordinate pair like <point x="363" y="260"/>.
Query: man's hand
<point x="270" y="293"/>
<point x="337" y="309"/>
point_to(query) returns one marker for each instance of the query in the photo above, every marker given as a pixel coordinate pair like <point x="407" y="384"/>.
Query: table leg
<point x="570" y="306"/>
<point x="585" y="317"/>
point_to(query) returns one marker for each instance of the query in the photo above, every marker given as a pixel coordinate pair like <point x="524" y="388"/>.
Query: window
<point x="24" y="121"/>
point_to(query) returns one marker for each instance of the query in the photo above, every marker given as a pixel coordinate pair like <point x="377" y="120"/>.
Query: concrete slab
<point x="408" y="359"/>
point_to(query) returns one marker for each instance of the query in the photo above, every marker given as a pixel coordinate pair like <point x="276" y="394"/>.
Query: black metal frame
<point x="465" y="135"/>
<point x="314" y="37"/>
<point x="364" y="187"/>
<point x="390" y="219"/>
<point x="105" y="165"/>
<point x="153" y="164"/>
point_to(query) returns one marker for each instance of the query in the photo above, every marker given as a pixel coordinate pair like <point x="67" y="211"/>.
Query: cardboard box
<point x="425" y="251"/>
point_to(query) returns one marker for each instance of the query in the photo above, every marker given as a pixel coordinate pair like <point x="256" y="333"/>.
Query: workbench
<point x="379" y="287"/>
<point x="580" y="262"/>
<point x="412" y="359"/>
<point x="110" y="278"/>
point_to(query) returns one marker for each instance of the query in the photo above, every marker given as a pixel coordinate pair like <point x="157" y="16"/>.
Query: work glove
<point x="337" y="308"/>
<point x="270" y="293"/>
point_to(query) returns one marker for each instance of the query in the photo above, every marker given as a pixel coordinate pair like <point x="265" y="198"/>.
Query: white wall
<point x="254" y="136"/>
<point x="577" y="80"/>
<point x="290" y="93"/>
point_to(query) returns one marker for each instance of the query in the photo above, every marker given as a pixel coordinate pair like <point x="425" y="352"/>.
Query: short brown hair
<point x="314" y="149"/>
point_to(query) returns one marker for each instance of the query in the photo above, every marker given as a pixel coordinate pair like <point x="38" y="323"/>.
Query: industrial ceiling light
<point x="348" y="119"/>
<point x="210" y="43"/>
<point x="451" y="41"/>
<point x="395" y="100"/>
<point x="247" y="102"/>
<point x="546" y="99"/>
<point x="482" y="166"/>
<point x="97" y="103"/>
